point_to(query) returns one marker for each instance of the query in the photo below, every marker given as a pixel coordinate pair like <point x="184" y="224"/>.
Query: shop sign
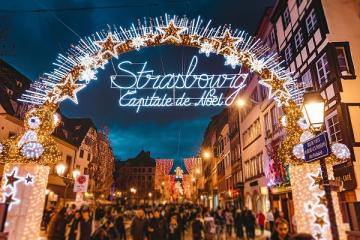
<point x="345" y="173"/>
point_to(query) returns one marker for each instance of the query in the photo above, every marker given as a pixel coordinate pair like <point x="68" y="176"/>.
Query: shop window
<point x="81" y="153"/>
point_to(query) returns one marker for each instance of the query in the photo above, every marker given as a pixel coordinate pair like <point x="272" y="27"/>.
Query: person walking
<point x="197" y="227"/>
<point x="157" y="227"/>
<point x="281" y="230"/>
<point x="73" y="227"/>
<point x="57" y="225"/>
<point x="139" y="226"/>
<point x="209" y="226"/>
<point x="261" y="221"/>
<point x="85" y="225"/>
<point x="174" y="229"/>
<point x="119" y="224"/>
<point x="239" y="223"/>
<point x="229" y="221"/>
<point x="219" y="221"/>
<point x="250" y="222"/>
<point x="270" y="219"/>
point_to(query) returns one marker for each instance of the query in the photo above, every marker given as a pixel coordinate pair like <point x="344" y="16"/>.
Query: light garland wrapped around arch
<point x="78" y="67"/>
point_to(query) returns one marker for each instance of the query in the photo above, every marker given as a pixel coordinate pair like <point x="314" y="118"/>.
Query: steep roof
<point x="73" y="130"/>
<point x="143" y="159"/>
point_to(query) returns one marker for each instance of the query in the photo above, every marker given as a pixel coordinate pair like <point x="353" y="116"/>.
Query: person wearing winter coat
<point x="239" y="223"/>
<point x="57" y="226"/>
<point x="209" y="226"/>
<point x="139" y="225"/>
<point x="174" y="229"/>
<point x="157" y="227"/>
<point x="197" y="228"/>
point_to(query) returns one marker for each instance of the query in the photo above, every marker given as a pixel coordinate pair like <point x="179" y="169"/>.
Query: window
<point x="263" y="92"/>
<point x="323" y="70"/>
<point x="81" y="153"/>
<point x="272" y="38"/>
<point x="85" y="171"/>
<point x="286" y="17"/>
<point x="299" y="40"/>
<point x="342" y="61"/>
<point x="288" y="54"/>
<point x="333" y="127"/>
<point x="311" y="22"/>
<point x="306" y="79"/>
<point x="267" y="124"/>
<point x="149" y="170"/>
<point x="274" y="119"/>
<point x="89" y="156"/>
<point x="11" y="134"/>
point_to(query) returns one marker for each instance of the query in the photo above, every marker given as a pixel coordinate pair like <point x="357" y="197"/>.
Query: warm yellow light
<point x="206" y="154"/>
<point x="313" y="109"/>
<point x="60" y="169"/>
<point x="76" y="173"/>
<point x="240" y="102"/>
<point x="150" y="194"/>
<point x="193" y="179"/>
<point x="197" y="171"/>
<point x="162" y="183"/>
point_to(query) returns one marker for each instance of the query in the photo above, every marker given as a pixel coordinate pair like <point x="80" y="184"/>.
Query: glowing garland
<point x="238" y="48"/>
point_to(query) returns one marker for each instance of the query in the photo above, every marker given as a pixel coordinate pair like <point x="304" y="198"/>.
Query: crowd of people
<point x="164" y="222"/>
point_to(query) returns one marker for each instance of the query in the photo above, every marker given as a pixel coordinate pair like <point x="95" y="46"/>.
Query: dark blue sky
<point x="33" y="32"/>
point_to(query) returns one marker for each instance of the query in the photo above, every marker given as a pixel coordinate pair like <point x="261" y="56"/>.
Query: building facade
<point x="320" y="44"/>
<point x="136" y="178"/>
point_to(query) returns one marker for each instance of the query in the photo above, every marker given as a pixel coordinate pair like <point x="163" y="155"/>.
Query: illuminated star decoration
<point x="318" y="236"/>
<point x="11" y="179"/>
<point x="319" y="220"/>
<point x="207" y="48"/>
<point x="282" y="99"/>
<point x="29" y="179"/>
<point x="257" y="65"/>
<point x="227" y="43"/>
<point x="108" y="46"/>
<point x="232" y="60"/>
<point x="316" y="179"/>
<point x="87" y="75"/>
<point x="171" y="33"/>
<point x="277" y="87"/>
<point x="10" y="199"/>
<point x="322" y="199"/>
<point x="67" y="89"/>
<point x="138" y="42"/>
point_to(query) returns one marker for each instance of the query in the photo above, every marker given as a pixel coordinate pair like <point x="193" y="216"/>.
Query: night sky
<point x="33" y="32"/>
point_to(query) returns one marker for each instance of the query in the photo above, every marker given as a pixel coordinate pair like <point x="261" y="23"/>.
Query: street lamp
<point x="76" y="173"/>
<point x="314" y="111"/>
<point x="60" y="169"/>
<point x="206" y="154"/>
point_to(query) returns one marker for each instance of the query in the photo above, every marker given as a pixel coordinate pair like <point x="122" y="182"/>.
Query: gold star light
<point x="171" y="33"/>
<point x="108" y="45"/>
<point x="319" y="220"/>
<point x="322" y="200"/>
<point x="67" y="89"/>
<point x="227" y="43"/>
<point x="317" y="180"/>
<point x="277" y="86"/>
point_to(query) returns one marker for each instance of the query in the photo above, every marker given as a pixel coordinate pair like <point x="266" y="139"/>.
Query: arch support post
<point x="24" y="188"/>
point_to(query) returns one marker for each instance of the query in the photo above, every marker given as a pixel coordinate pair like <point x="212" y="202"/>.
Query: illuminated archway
<point x="35" y="147"/>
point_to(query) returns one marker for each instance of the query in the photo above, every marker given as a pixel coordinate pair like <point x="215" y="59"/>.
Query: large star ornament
<point x="319" y="220"/>
<point x="109" y="45"/>
<point x="67" y="89"/>
<point x="277" y="86"/>
<point x="171" y="33"/>
<point x="317" y="179"/>
<point x="227" y="43"/>
<point x="11" y="179"/>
